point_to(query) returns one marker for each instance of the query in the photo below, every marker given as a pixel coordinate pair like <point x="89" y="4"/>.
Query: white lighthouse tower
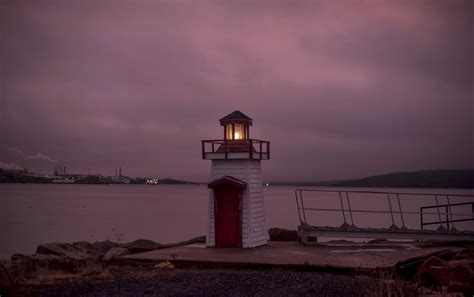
<point x="236" y="208"/>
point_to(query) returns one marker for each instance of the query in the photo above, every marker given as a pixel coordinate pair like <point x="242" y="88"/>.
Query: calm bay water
<point x="37" y="213"/>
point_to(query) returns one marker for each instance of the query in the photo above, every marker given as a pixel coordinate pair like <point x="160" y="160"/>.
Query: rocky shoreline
<point x="58" y="268"/>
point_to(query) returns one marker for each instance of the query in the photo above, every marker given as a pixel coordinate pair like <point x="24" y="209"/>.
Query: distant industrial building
<point x="60" y="170"/>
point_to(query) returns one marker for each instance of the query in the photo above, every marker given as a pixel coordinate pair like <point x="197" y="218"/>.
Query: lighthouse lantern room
<point x="236" y="209"/>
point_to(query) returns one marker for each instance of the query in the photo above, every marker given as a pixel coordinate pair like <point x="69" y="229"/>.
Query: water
<point x="37" y="213"/>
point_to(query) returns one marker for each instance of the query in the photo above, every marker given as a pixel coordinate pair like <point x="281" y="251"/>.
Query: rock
<point x="456" y="275"/>
<point x="83" y="246"/>
<point x="408" y="268"/>
<point x="426" y="266"/>
<point x="62" y="249"/>
<point x="23" y="264"/>
<point x="465" y="254"/>
<point x="18" y="257"/>
<point x="53" y="248"/>
<point x="101" y="247"/>
<point x="142" y="245"/>
<point x="164" y="265"/>
<point x="114" y="253"/>
<point x="277" y="234"/>
<point x="78" y="255"/>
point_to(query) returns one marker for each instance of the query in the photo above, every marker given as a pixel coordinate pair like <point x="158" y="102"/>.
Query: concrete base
<point x="351" y="255"/>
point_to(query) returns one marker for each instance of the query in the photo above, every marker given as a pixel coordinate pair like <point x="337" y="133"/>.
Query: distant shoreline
<point x="431" y="179"/>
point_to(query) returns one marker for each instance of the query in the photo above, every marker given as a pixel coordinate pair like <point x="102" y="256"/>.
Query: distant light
<point x="267" y="184"/>
<point x="152" y="181"/>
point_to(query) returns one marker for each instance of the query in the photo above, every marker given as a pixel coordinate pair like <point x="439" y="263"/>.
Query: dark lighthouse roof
<point x="236" y="116"/>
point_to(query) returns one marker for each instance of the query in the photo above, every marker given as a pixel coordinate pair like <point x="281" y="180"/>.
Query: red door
<point x="227" y="216"/>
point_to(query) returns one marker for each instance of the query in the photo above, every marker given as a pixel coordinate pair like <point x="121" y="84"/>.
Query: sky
<point x="341" y="89"/>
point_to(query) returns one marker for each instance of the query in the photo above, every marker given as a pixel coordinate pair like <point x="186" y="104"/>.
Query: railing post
<point x="400" y="208"/>
<point x="225" y="149"/>
<point x="447" y="217"/>
<point x="421" y="218"/>
<point x="251" y="148"/>
<point x="350" y="210"/>
<point x="390" y="206"/>
<point x="298" y="205"/>
<point x="439" y="214"/>
<point x="450" y="212"/>
<point x="260" y="144"/>
<point x="302" y="206"/>
<point x="202" y="149"/>
<point x="342" y="208"/>
<point x="268" y="150"/>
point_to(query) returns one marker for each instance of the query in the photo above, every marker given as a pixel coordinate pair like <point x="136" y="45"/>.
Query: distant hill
<point x="416" y="179"/>
<point x="441" y="178"/>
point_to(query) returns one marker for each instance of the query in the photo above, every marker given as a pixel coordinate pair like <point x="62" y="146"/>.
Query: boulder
<point x="101" y="247"/>
<point x="456" y="275"/>
<point x="83" y="246"/>
<point x="54" y="248"/>
<point x="114" y="253"/>
<point x="422" y="271"/>
<point x="277" y="234"/>
<point x="467" y="253"/>
<point x="62" y="249"/>
<point x="407" y="269"/>
<point x="142" y="245"/>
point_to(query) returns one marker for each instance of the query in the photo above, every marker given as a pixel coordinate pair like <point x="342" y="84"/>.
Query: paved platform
<point x="343" y="255"/>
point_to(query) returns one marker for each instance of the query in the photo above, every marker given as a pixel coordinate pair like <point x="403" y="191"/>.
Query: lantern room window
<point x="239" y="132"/>
<point x="235" y="132"/>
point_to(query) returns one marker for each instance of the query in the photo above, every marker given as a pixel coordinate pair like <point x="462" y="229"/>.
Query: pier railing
<point x="443" y="212"/>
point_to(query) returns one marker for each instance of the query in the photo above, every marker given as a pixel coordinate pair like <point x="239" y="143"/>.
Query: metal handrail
<point x="448" y="213"/>
<point x="390" y="194"/>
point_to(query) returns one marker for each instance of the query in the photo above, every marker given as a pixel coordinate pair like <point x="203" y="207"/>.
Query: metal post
<point x="421" y="218"/>
<point x="202" y="148"/>
<point x="251" y="149"/>
<point x="225" y="149"/>
<point x="268" y="150"/>
<point x="439" y="214"/>
<point x="260" y="144"/>
<point x="400" y="209"/>
<point x="450" y="212"/>
<point x="342" y="208"/>
<point x="298" y="205"/>
<point x="350" y="210"/>
<point x="390" y="206"/>
<point x="447" y="217"/>
<point x="302" y="205"/>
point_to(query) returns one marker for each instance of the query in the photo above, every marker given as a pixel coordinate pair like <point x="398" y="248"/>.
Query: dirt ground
<point x="120" y="281"/>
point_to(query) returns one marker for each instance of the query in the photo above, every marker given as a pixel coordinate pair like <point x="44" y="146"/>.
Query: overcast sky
<point x="341" y="89"/>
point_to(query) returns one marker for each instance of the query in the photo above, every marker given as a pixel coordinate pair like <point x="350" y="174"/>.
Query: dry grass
<point x="389" y="285"/>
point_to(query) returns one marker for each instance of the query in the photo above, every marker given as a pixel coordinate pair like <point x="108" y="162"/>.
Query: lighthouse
<point x="236" y="208"/>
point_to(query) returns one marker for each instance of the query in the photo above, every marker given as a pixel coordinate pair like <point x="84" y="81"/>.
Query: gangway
<point x="444" y="213"/>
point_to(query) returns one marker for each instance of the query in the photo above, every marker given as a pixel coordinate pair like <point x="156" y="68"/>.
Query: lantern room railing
<point x="254" y="149"/>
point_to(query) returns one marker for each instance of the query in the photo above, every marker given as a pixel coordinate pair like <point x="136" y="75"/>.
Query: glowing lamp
<point x="236" y="126"/>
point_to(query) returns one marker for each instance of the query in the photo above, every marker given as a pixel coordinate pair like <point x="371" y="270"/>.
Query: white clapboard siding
<point x="254" y="232"/>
